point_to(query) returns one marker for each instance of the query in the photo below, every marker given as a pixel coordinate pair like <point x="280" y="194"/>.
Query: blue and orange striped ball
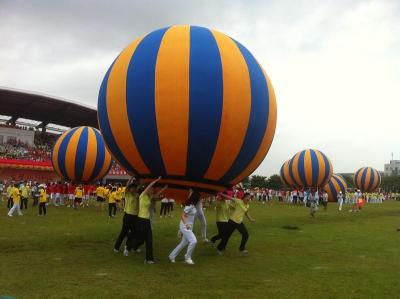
<point x="189" y="104"/>
<point x="336" y="184"/>
<point x="285" y="175"/>
<point x="367" y="179"/>
<point x="310" y="169"/>
<point x="80" y="155"/>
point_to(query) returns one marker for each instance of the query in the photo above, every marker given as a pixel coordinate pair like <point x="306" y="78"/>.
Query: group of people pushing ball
<point x="137" y="228"/>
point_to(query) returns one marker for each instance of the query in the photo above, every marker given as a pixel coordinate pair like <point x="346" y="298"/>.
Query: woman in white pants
<point x="340" y="200"/>
<point x="186" y="228"/>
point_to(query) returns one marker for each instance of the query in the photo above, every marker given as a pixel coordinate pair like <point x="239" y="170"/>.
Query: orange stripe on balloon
<point x="360" y="174"/>
<point x="172" y="98"/>
<point x="286" y="173"/>
<point x="236" y="107"/>
<point x="295" y="170"/>
<point x="376" y="180"/>
<point x="91" y="155"/>
<point x="55" y="153"/>
<point x="70" y="154"/>
<point x="308" y="171"/>
<point x="117" y="109"/>
<point x="268" y="135"/>
<point x="321" y="166"/>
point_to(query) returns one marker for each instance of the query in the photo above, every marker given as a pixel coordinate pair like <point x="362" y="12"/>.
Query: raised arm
<point x="227" y="196"/>
<point x="160" y="192"/>
<point x="149" y="186"/>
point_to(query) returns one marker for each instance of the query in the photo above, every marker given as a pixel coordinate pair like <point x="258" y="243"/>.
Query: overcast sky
<point x="335" y="65"/>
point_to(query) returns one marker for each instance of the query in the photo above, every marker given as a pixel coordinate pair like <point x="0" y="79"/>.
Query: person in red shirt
<point x="71" y="195"/>
<point x="86" y="192"/>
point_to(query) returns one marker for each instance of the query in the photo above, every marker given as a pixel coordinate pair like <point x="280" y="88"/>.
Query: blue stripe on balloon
<point x="104" y="124"/>
<point x="101" y="155"/>
<point x="371" y="179"/>
<point x="301" y="170"/>
<point x="332" y="189"/>
<point x="140" y="100"/>
<point x="258" y="116"/>
<point x="205" y="101"/>
<point x="363" y="178"/>
<point x="356" y="178"/>
<point x="327" y="168"/>
<point x="341" y="185"/>
<point x="80" y="157"/>
<point x="291" y="171"/>
<point x="315" y="168"/>
<point x="62" y="151"/>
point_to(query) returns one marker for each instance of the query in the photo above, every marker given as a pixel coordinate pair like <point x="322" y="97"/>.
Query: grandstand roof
<point x="46" y="109"/>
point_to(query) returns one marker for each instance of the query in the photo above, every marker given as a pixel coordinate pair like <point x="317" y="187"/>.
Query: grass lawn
<point x="68" y="254"/>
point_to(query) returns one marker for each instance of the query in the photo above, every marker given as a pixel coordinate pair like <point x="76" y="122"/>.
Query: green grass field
<point x="68" y="254"/>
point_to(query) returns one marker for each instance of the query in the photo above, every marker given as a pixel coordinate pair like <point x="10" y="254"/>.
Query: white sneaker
<point x="244" y="251"/>
<point x="9" y="215"/>
<point x="138" y="250"/>
<point x="149" y="262"/>
<point x="172" y="260"/>
<point x="219" y="252"/>
<point x="205" y="240"/>
<point x="115" y="250"/>
<point x="126" y="252"/>
<point x="189" y="261"/>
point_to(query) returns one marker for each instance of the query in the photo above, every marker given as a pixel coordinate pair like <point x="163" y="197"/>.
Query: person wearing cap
<point x="16" y="197"/>
<point x="240" y="208"/>
<point x="340" y="200"/>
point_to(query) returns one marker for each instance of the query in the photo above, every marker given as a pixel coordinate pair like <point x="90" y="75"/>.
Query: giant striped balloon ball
<point x="80" y="155"/>
<point x="310" y="169"/>
<point x="285" y="175"/>
<point x="188" y="104"/>
<point x="367" y="179"/>
<point x="336" y="184"/>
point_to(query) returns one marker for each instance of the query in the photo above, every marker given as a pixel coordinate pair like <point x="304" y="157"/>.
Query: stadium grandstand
<point x="30" y="123"/>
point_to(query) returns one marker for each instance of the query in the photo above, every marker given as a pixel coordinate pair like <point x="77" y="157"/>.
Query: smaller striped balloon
<point x="80" y="155"/>
<point x="285" y="175"/>
<point x="367" y="179"/>
<point x="336" y="184"/>
<point x="310" y="169"/>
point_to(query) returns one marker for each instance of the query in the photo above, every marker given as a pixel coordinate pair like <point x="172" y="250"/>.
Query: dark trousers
<point x="221" y="226"/>
<point x="112" y="209"/>
<point x="230" y="228"/>
<point x="24" y="202"/>
<point x="127" y="230"/>
<point x="10" y="203"/>
<point x="164" y="208"/>
<point x="143" y="234"/>
<point x="35" y="201"/>
<point x="42" y="208"/>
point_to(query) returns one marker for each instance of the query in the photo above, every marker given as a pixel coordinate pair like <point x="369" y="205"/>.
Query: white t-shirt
<point x="190" y="211"/>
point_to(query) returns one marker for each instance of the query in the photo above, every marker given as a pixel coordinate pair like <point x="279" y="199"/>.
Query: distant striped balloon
<point x="189" y="104"/>
<point x="336" y="184"/>
<point x="285" y="175"/>
<point x="80" y="155"/>
<point x="367" y="179"/>
<point x="310" y="169"/>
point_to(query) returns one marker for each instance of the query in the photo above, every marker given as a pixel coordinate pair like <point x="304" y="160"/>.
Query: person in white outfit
<point x="203" y="221"/>
<point x="186" y="229"/>
<point x="340" y="200"/>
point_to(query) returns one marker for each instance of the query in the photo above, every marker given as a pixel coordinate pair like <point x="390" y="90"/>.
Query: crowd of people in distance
<point x="13" y="149"/>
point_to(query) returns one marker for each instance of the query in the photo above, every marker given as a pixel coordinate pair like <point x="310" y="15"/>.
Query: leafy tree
<point x="259" y="181"/>
<point x="274" y="182"/>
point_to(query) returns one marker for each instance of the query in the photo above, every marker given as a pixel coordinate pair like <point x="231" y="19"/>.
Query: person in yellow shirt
<point x="118" y="196"/>
<point x="222" y="217"/>
<point x="25" y="190"/>
<point x="131" y="210"/>
<point x="240" y="209"/>
<point x="78" y="196"/>
<point x="112" y="202"/>
<point x="42" y="201"/>
<point x="16" y="197"/>
<point x="143" y="231"/>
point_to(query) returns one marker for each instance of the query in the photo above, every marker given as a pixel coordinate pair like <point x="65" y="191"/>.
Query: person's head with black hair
<point x="194" y="197"/>
<point x="132" y="187"/>
<point x="246" y="197"/>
